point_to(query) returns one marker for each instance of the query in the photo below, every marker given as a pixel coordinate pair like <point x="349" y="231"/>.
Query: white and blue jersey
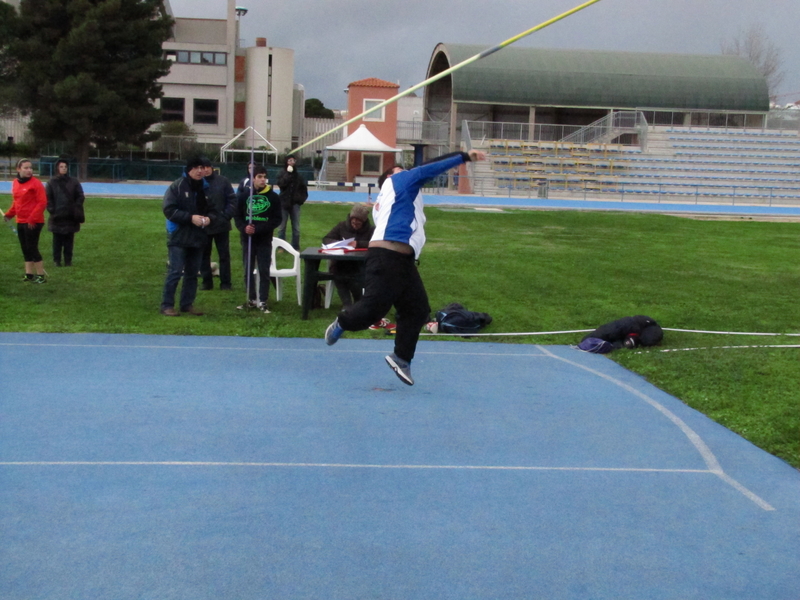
<point x="398" y="211"/>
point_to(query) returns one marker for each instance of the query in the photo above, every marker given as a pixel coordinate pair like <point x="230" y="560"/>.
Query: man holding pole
<point x="391" y="276"/>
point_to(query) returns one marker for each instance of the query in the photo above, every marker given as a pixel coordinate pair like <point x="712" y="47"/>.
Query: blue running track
<point x="150" y="467"/>
<point x="156" y="190"/>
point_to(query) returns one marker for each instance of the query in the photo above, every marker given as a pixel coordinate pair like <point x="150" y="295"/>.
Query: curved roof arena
<point x="584" y="78"/>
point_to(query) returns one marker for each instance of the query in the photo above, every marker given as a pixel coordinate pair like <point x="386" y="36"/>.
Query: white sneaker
<point x="401" y="368"/>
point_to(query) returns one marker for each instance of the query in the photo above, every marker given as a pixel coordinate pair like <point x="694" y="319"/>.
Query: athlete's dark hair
<point x="386" y="174"/>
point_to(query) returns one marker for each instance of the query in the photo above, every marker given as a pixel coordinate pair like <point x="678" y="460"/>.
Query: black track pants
<point x="391" y="279"/>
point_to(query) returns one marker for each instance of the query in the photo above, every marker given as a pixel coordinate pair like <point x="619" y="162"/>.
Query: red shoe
<point x="382" y="324"/>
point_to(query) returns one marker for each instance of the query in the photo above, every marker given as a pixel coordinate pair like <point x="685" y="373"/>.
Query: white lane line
<point x="124" y="463"/>
<point x="252" y="348"/>
<point x="708" y="456"/>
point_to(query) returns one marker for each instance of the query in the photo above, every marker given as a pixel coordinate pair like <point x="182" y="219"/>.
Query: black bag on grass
<point x="628" y="332"/>
<point x="454" y="318"/>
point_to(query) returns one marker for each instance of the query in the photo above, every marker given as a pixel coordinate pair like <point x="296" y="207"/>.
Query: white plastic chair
<point x="279" y="274"/>
<point x="329" y="287"/>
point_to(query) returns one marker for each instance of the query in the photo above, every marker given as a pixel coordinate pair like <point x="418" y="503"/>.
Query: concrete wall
<point x="385" y="130"/>
<point x="201" y="31"/>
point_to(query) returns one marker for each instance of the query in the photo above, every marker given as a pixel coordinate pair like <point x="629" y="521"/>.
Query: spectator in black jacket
<point x="188" y="213"/>
<point x="223" y="199"/>
<point x="256" y="218"/>
<point x="346" y="274"/>
<point x="294" y="193"/>
<point x="65" y="205"/>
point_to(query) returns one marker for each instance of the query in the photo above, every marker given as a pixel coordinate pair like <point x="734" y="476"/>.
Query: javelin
<point x="452" y="69"/>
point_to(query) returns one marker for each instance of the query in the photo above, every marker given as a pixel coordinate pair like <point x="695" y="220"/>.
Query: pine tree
<point x="8" y="22"/>
<point x="88" y="70"/>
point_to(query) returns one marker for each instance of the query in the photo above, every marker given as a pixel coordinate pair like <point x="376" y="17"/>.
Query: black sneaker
<point x="262" y="306"/>
<point x="401" y="368"/>
<point x="39" y="279"/>
<point x="248" y="304"/>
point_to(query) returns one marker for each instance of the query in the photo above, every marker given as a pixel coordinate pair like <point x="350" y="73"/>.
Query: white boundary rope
<point x="727" y="332"/>
<point x="717" y="348"/>
<point x="590" y="330"/>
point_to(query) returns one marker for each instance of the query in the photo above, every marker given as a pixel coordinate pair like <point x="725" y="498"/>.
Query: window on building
<point x="172" y="109"/>
<point x="219" y="59"/>
<point x="206" y="112"/>
<point x="378" y="115"/>
<point x="371" y="163"/>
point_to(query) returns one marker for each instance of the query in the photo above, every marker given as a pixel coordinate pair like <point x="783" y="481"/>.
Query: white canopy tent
<point x="361" y="140"/>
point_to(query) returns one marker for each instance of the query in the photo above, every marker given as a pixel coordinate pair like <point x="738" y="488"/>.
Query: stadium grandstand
<point x="577" y="122"/>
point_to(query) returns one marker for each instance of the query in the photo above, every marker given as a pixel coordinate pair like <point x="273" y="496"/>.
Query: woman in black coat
<point x="65" y="205"/>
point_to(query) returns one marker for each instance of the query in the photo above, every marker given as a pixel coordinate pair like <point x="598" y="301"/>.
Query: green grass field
<point x="531" y="270"/>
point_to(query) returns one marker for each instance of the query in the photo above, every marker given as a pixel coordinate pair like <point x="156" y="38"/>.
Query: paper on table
<point x="340" y="244"/>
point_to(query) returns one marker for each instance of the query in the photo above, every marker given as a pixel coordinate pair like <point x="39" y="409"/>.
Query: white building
<point x="219" y="89"/>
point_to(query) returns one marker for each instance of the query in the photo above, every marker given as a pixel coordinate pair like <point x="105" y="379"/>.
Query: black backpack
<point x="454" y="318"/>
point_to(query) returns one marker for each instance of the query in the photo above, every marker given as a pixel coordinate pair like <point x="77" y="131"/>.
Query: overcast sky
<point x="336" y="42"/>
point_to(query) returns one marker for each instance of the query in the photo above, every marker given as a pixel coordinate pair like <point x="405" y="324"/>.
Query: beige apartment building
<point x="219" y="88"/>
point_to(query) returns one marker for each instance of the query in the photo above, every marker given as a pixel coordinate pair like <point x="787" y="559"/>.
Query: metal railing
<point x="314" y="127"/>
<point x="610" y="127"/>
<point x="784" y="120"/>
<point x="423" y="132"/>
<point x="480" y="131"/>
<point x="575" y="187"/>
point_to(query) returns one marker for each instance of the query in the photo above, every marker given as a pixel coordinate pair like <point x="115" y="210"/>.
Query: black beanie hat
<point x="194" y="162"/>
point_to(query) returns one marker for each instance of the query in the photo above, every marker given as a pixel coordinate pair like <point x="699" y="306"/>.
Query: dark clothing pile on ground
<point x="628" y="332"/>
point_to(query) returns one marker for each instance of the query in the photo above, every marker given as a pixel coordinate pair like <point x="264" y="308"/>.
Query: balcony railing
<point x="423" y="132"/>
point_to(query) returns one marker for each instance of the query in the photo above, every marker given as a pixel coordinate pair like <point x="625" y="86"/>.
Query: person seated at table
<point x="346" y="279"/>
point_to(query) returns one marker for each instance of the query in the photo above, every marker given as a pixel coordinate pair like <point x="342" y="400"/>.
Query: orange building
<point x="362" y="95"/>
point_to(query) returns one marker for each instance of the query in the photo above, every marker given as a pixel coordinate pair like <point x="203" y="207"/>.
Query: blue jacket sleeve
<point x="437" y="166"/>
